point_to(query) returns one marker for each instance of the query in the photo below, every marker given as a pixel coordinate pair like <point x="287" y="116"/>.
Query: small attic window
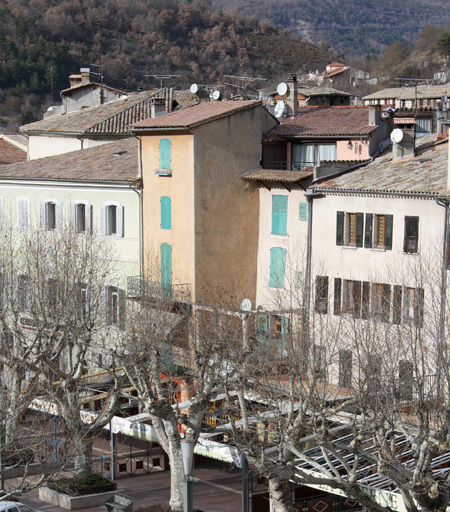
<point x="120" y="153"/>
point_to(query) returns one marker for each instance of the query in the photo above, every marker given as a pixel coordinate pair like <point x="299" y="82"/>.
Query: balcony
<point x="155" y="291"/>
<point x="283" y="165"/>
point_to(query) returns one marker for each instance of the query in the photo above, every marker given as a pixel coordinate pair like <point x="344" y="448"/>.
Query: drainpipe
<point x="141" y="222"/>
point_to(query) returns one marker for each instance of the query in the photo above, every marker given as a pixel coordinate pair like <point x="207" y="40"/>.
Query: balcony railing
<point x="282" y="165"/>
<point x="138" y="288"/>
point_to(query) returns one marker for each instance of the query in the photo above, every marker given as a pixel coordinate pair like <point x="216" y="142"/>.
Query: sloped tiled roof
<point x="409" y="93"/>
<point x="337" y="71"/>
<point x="116" y="161"/>
<point x="94" y="85"/>
<point x="277" y="175"/>
<point x="109" y="119"/>
<point x="321" y="91"/>
<point x="425" y="174"/>
<point x="11" y="154"/>
<point x="325" y="121"/>
<point x="197" y="114"/>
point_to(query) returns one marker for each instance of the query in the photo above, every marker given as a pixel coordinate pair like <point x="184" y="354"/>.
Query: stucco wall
<point x="295" y="244"/>
<point x="180" y="188"/>
<point x="87" y="97"/>
<point x="358" y="151"/>
<point x="42" y="146"/>
<point x="227" y="207"/>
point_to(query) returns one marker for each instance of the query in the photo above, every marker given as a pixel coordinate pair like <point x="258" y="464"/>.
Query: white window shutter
<point x="104" y="303"/>
<point x="73" y="219"/>
<point x="58" y="216"/>
<point x="88" y="211"/>
<point x="120" y="221"/>
<point x="103" y="220"/>
<point x="19" y="213"/>
<point x="43" y="216"/>
<point x="1" y="211"/>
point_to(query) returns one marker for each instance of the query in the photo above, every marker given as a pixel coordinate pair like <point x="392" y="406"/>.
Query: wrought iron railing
<point x="155" y="290"/>
<point x="283" y="165"/>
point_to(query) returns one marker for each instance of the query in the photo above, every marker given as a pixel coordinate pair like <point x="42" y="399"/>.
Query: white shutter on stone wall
<point x="88" y="211"/>
<point x="58" y="216"/>
<point x="120" y="221"/>
<point x="43" y="216"/>
<point x="73" y="219"/>
<point x="103" y="220"/>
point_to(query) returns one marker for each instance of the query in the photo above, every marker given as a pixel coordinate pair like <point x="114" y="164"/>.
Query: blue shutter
<point x="279" y="215"/>
<point x="164" y="154"/>
<point x="166" y="270"/>
<point x="303" y="211"/>
<point x="166" y="213"/>
<point x="277" y="267"/>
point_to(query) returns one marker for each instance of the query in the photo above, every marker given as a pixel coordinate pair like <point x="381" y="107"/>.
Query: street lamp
<point x="187" y="455"/>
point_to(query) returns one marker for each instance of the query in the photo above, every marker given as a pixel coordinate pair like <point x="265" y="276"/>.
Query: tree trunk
<point x="82" y="454"/>
<point x="176" y="466"/>
<point x="280" y="494"/>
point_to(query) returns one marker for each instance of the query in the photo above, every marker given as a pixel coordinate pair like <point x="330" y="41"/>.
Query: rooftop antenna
<point x="163" y="77"/>
<point x="245" y="81"/>
<point x="99" y="71"/>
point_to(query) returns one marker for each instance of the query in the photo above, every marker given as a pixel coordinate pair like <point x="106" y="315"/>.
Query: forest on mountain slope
<point x="43" y="41"/>
<point x="352" y="28"/>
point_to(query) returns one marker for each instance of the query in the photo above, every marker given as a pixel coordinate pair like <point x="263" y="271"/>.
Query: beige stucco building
<point x="200" y="219"/>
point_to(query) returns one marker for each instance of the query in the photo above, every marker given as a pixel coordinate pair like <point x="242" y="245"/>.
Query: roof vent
<point x="120" y="153"/>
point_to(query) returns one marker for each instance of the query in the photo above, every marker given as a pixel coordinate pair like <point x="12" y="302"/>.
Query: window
<point x="80" y="217"/>
<point x="164" y="154"/>
<point x="52" y="301"/>
<point x="23" y="293"/>
<point x="114" y="306"/>
<point x="277" y="267"/>
<point x="413" y="299"/>
<point x="166" y="213"/>
<point x="378" y="231"/>
<point x="411" y="238"/>
<point x="303" y="211"/>
<point x="423" y="125"/>
<point x="272" y="326"/>
<point x="309" y="155"/>
<point x="349" y="229"/>
<point x="381" y="301"/>
<point x="166" y="270"/>
<point x="279" y="215"/>
<point x="351" y="298"/>
<point x="320" y="362"/>
<point x="405" y="380"/>
<point x="23" y="212"/>
<point x="321" y="294"/>
<point x="345" y="368"/>
<point x="80" y="297"/>
<point x="112" y="219"/>
<point x="51" y="215"/>
<point x="372" y="370"/>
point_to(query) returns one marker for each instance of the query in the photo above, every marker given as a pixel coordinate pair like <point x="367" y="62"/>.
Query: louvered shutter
<point x="88" y="212"/>
<point x="164" y="154"/>
<point x="303" y="211"/>
<point x="166" y="213"/>
<point x="388" y="233"/>
<point x="359" y="229"/>
<point x="119" y="212"/>
<point x="277" y="267"/>
<point x="337" y="296"/>
<point x="43" y="216"/>
<point x="103" y="219"/>
<point x="58" y="216"/>
<point x="339" y="228"/>
<point x="73" y="217"/>
<point x="283" y="215"/>
<point x="368" y="234"/>
<point x="275" y="215"/>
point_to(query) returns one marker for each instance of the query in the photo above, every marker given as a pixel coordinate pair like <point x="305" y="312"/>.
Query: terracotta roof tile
<point x="195" y="115"/>
<point x="277" y="175"/>
<point x="424" y="174"/>
<point x="116" y="161"/>
<point x="108" y="119"/>
<point x="325" y="121"/>
<point x="409" y="93"/>
<point x="10" y="154"/>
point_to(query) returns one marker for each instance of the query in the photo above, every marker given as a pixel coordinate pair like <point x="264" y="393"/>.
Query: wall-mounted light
<point x="349" y="145"/>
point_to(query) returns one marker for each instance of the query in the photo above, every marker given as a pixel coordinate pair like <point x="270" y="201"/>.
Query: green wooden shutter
<point x="166" y="270"/>
<point x="339" y="228"/>
<point x="277" y="267"/>
<point x="279" y="215"/>
<point x="261" y="325"/>
<point x="303" y="211"/>
<point x="164" y="154"/>
<point x="166" y="213"/>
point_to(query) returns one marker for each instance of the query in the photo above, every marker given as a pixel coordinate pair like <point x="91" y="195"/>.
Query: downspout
<point x="81" y="141"/>
<point x="141" y="222"/>
<point x="443" y="307"/>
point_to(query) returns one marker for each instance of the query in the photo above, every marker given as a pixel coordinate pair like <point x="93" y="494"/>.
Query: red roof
<point x="336" y="72"/>
<point x="197" y="114"/>
<point x="10" y="154"/>
<point x="335" y="65"/>
<point x="325" y="121"/>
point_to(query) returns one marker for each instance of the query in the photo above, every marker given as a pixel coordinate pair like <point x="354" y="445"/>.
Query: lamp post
<point x="187" y="455"/>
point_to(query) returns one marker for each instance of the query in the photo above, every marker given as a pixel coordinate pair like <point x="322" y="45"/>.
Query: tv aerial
<point x="396" y="135"/>
<point x="279" y="109"/>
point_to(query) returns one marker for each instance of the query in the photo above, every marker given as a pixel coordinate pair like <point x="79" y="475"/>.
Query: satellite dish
<point x="246" y="305"/>
<point x="282" y="89"/>
<point x="279" y="109"/>
<point x="216" y="95"/>
<point x="396" y="135"/>
<point x="194" y="88"/>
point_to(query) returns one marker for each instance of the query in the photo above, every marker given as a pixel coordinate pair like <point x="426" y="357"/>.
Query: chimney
<point x="405" y="147"/>
<point x="292" y="96"/>
<point x="374" y="115"/>
<point x="85" y="75"/>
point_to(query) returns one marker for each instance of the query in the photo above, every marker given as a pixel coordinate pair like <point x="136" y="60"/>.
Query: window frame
<point x="351" y="297"/>
<point x="280" y="209"/>
<point x="74" y="217"/>
<point x="344" y="236"/>
<point x="51" y="215"/>
<point x="277" y="269"/>
<point x="345" y="368"/>
<point x="411" y="241"/>
<point x="106" y="222"/>
<point x="321" y="302"/>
